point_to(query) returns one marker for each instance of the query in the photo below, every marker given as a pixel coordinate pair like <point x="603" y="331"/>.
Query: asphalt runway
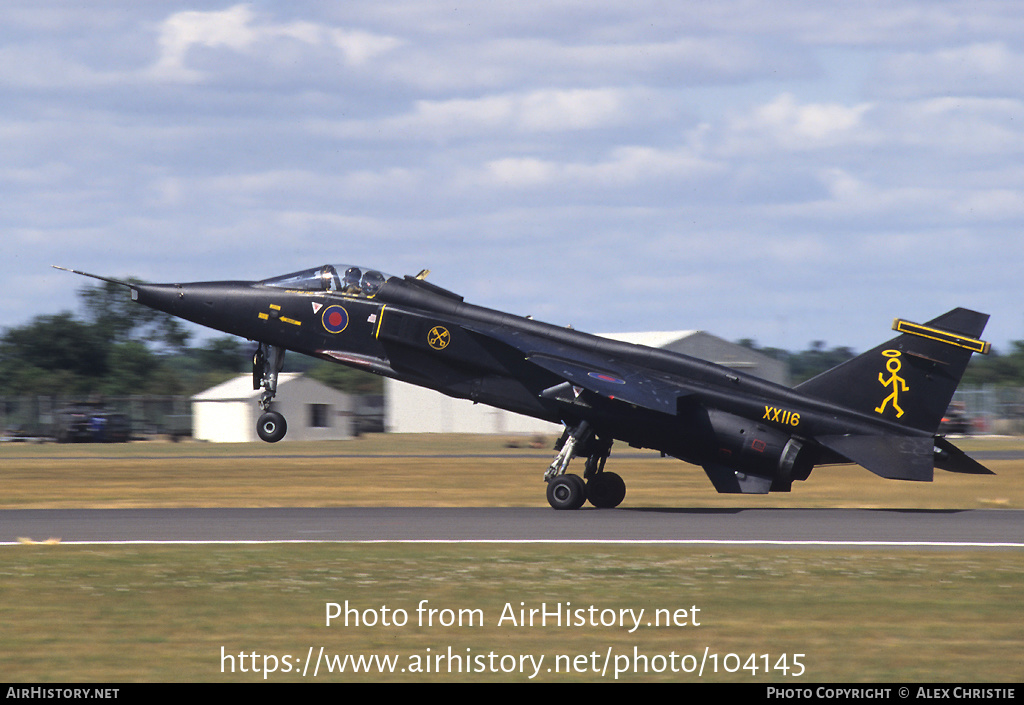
<point x="809" y="527"/>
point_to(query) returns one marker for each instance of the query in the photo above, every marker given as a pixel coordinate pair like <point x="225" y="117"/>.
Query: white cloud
<point x="957" y="125"/>
<point x="184" y="30"/>
<point x="538" y="111"/>
<point x="360" y="46"/>
<point x="787" y="124"/>
<point x="468" y="62"/>
<point x="239" y="30"/>
<point x="771" y="152"/>
<point x="989" y="68"/>
<point x="624" y="167"/>
<point x="522" y="172"/>
<point x="505" y="115"/>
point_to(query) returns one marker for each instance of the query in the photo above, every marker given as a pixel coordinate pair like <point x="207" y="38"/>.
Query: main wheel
<point x="567" y="492"/>
<point x="606" y="490"/>
<point x="271" y="427"/>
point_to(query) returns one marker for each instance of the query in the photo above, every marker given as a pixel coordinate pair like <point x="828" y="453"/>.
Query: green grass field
<point x="411" y="470"/>
<point x="145" y="613"/>
<point x="72" y="613"/>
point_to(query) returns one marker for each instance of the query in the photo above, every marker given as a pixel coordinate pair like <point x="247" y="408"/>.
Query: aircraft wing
<point x="597" y="372"/>
<point x="623" y="382"/>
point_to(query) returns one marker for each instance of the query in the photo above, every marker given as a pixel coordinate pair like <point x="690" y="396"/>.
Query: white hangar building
<point x="313" y="411"/>
<point x="412" y="409"/>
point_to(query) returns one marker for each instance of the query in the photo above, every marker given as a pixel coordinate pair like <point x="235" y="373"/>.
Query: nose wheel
<point x="271" y="427"/>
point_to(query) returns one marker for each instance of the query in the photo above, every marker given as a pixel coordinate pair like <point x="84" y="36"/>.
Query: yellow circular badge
<point x="438" y="338"/>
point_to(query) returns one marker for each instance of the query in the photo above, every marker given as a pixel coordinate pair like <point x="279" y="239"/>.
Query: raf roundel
<point x="335" y="319"/>
<point x="606" y="378"/>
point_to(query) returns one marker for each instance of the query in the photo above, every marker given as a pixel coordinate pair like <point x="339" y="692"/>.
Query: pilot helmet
<point x="352" y="277"/>
<point x="372" y="281"/>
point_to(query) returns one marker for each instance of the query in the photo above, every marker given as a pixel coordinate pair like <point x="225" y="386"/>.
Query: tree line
<point x="115" y="347"/>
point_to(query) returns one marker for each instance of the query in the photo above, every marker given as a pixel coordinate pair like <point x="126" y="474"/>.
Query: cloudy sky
<point x="787" y="171"/>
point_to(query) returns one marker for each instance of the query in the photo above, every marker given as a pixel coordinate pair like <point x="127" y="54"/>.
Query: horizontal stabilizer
<point x="952" y="459"/>
<point x="891" y="457"/>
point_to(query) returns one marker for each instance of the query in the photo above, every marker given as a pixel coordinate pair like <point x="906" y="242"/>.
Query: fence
<point x="47" y="416"/>
<point x="989" y="409"/>
<point x="993" y="409"/>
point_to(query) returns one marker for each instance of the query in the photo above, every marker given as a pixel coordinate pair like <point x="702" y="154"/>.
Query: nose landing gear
<point x="266" y="363"/>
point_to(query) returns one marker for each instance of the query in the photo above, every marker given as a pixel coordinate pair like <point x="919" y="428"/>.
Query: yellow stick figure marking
<point x="897" y="383"/>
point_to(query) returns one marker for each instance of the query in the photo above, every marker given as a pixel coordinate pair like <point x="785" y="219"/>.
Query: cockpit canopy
<point x="339" y="278"/>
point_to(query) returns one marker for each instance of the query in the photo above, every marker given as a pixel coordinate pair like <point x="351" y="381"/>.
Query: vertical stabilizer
<point x="910" y="379"/>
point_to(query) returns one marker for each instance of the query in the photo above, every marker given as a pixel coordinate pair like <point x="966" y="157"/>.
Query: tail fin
<point x="910" y="379"/>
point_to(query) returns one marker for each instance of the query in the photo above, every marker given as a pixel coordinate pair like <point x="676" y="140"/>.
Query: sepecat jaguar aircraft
<point x="880" y="410"/>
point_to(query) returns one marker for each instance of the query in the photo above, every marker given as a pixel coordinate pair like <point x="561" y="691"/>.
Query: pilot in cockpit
<point x="372" y="282"/>
<point x="351" y="283"/>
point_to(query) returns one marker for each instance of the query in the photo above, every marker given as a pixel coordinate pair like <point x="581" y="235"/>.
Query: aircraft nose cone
<point x="194" y="302"/>
<point x="163" y="297"/>
<point x="225" y="306"/>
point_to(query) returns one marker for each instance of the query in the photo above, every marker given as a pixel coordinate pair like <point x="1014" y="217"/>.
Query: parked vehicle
<point x="84" y="423"/>
<point x="956" y="420"/>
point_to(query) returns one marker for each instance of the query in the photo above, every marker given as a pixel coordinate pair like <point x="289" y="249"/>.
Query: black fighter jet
<point x="880" y="410"/>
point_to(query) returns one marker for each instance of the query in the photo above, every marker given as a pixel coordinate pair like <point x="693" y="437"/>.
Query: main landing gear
<point x="266" y="363"/>
<point x="604" y="490"/>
